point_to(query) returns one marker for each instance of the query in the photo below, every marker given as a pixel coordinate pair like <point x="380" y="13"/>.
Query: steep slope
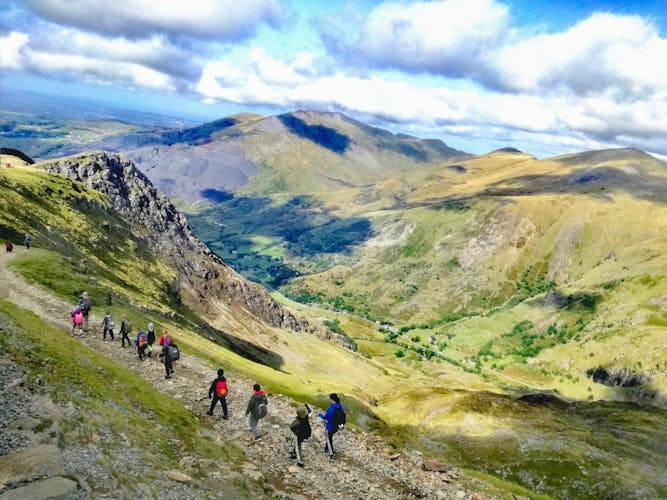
<point x="200" y="274"/>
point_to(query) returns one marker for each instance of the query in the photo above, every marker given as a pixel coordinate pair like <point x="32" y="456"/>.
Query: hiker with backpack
<point x="8" y="246"/>
<point x="125" y="330"/>
<point x="300" y="427"/>
<point x="218" y="391"/>
<point x="108" y="325"/>
<point x="86" y="305"/>
<point x="150" y="337"/>
<point x="28" y="239"/>
<point x="169" y="354"/>
<point x="335" y="420"/>
<point x="77" y="320"/>
<point x="141" y="342"/>
<point x="257" y="409"/>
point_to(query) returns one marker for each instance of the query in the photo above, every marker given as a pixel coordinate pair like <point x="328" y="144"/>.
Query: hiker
<point x="86" y="305"/>
<point x="335" y="421"/>
<point x="164" y="339"/>
<point x="141" y="343"/>
<point x="300" y="427"/>
<point x="108" y="325"/>
<point x="218" y="392"/>
<point x="28" y="239"/>
<point x="125" y="329"/>
<point x="77" y="320"/>
<point x="8" y="246"/>
<point x="150" y="337"/>
<point x="167" y="355"/>
<point x="256" y="409"/>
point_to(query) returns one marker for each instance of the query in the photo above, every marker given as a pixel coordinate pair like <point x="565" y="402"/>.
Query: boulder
<point x="31" y="463"/>
<point x="53" y="487"/>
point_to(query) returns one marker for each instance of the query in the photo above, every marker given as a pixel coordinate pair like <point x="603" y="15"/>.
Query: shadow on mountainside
<point x="599" y="182"/>
<point x="576" y="450"/>
<point x="242" y="347"/>
<point x="326" y="137"/>
<point x="301" y="228"/>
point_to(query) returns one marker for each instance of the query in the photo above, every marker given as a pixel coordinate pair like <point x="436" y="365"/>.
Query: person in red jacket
<point x="218" y="391"/>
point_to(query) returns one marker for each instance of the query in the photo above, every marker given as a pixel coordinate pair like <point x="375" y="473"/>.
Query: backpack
<point x="304" y="431"/>
<point x="221" y="389"/>
<point x="110" y="324"/>
<point x="86" y="304"/>
<point x="339" y="418"/>
<point x="174" y="355"/>
<point x="78" y="317"/>
<point x="261" y="410"/>
<point x="142" y="341"/>
<point x="128" y="326"/>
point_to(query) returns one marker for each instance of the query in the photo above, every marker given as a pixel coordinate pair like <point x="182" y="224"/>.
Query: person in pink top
<point x="77" y="320"/>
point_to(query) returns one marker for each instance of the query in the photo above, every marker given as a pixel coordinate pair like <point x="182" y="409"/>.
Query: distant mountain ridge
<point x="298" y="151"/>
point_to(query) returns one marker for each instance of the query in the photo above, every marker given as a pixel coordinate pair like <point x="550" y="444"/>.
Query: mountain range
<point x="451" y="284"/>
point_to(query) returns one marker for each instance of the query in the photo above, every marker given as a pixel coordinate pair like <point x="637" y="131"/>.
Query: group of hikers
<point x="9" y="246"/>
<point x="144" y="341"/>
<point x="257" y="409"/>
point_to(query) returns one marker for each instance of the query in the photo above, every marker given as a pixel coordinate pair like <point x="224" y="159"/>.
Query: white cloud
<point x="87" y="65"/>
<point x="10" y="48"/>
<point x="605" y="51"/>
<point x="209" y="19"/>
<point x="472" y="39"/>
<point x="442" y="37"/>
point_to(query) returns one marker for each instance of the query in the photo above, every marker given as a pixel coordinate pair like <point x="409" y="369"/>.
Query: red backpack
<point x="221" y="388"/>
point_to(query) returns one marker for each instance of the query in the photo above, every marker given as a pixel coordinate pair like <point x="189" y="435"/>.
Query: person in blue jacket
<point x="335" y="419"/>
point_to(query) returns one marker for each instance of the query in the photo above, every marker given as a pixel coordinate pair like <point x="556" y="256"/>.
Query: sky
<point x="546" y="77"/>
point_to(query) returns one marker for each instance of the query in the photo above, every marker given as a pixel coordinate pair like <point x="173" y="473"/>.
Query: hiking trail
<point x="365" y="466"/>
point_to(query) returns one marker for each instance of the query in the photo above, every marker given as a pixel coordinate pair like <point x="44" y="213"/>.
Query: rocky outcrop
<point x="202" y="274"/>
<point x="617" y="378"/>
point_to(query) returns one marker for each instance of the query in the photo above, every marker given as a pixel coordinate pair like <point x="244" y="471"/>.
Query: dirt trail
<point x="364" y="467"/>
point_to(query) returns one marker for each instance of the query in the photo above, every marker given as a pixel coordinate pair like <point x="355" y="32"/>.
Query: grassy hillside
<point x="538" y="270"/>
<point x="453" y="406"/>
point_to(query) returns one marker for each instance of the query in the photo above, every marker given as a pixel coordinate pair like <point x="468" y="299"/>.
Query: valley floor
<point x="365" y="466"/>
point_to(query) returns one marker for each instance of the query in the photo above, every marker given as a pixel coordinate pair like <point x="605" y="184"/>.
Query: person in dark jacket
<point x="331" y="427"/>
<point x="141" y="343"/>
<point x="300" y="427"/>
<point x="256" y="409"/>
<point x="8" y="246"/>
<point x="150" y="337"/>
<point x="165" y="355"/>
<point x="108" y="325"/>
<point x="218" y="391"/>
<point x="125" y="330"/>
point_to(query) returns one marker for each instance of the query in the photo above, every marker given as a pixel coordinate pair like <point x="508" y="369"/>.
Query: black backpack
<point x="87" y="304"/>
<point x="339" y="418"/>
<point x="174" y="353"/>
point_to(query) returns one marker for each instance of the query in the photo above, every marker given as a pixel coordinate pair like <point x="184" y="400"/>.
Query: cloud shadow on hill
<point x="546" y="447"/>
<point x="326" y="137"/>
<point x="301" y="227"/>
<point x="600" y="182"/>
